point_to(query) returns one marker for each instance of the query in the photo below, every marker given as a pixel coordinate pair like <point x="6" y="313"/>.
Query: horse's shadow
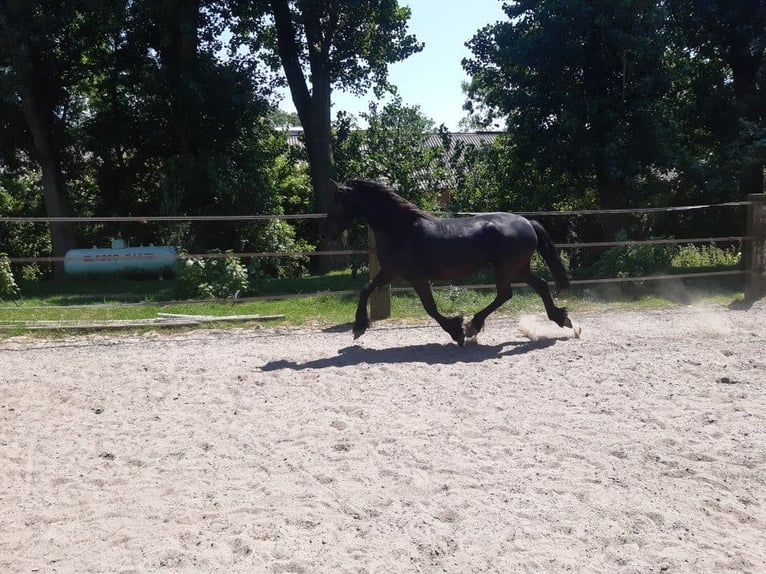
<point x="431" y="353"/>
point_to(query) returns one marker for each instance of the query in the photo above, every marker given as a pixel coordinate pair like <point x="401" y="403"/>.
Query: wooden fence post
<point x="380" y="300"/>
<point x="755" y="254"/>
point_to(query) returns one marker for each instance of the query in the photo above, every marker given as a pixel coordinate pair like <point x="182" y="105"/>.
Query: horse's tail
<point x="551" y="257"/>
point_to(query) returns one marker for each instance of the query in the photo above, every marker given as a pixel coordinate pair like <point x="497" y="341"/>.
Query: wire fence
<point x="753" y="237"/>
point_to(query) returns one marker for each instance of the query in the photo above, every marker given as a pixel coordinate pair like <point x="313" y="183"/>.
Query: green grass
<point x="92" y="301"/>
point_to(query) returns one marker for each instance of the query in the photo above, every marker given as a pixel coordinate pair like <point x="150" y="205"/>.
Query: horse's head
<point x="340" y="213"/>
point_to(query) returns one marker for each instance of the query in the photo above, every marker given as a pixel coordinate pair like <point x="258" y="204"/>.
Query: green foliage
<point x="580" y="84"/>
<point x="290" y="183"/>
<point x="394" y="148"/>
<point x="706" y="256"/>
<point x="355" y="40"/>
<point x="349" y="147"/>
<point x="278" y="236"/>
<point x="21" y="196"/>
<point x="634" y="260"/>
<point x="630" y="102"/>
<point x="283" y="120"/>
<point x="31" y="273"/>
<point x="8" y="286"/>
<point x="346" y="44"/>
<point x="398" y="152"/>
<point x="716" y="50"/>
<point x="646" y="102"/>
<point x="213" y="278"/>
<point x="479" y="178"/>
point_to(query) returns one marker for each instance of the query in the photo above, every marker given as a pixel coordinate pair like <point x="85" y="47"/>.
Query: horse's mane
<point x="386" y="203"/>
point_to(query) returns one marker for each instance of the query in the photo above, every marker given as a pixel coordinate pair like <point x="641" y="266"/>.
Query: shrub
<point x="22" y="196"/>
<point x="31" y="272"/>
<point x="706" y="256"/>
<point x="211" y="278"/>
<point x="279" y="236"/>
<point x="634" y="260"/>
<point x="8" y="286"/>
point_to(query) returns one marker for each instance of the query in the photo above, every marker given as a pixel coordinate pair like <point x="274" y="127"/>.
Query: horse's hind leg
<point x="453" y="325"/>
<point x="558" y="315"/>
<point x="504" y="293"/>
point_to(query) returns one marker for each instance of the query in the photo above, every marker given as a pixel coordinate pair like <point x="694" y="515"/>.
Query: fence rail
<point x="349" y="252"/>
<point x="754" y="240"/>
<point x="190" y="218"/>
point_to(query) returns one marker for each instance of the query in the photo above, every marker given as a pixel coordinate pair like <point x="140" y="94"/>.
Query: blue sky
<point x="431" y="78"/>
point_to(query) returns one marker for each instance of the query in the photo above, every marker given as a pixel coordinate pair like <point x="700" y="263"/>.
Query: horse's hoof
<point x="360" y="327"/>
<point x="471" y="331"/>
<point x="358" y="331"/>
<point x="576" y="329"/>
<point x="471" y="334"/>
<point x="454" y="328"/>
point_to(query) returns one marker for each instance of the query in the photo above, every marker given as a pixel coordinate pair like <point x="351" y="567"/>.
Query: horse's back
<point x="508" y="225"/>
<point x="494" y="231"/>
<point x="454" y="247"/>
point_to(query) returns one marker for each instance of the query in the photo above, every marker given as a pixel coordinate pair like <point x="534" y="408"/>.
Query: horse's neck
<point x="382" y="214"/>
<point x="373" y="217"/>
<point x="388" y="220"/>
<point x="374" y="213"/>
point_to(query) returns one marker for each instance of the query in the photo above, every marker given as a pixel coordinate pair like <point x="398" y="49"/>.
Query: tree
<point x="399" y="149"/>
<point x="283" y="120"/>
<point x="174" y="29"/>
<point x="329" y="44"/>
<point x="721" y="47"/>
<point x="581" y="87"/>
<point x="40" y="43"/>
<point x="135" y="114"/>
<point x="174" y="128"/>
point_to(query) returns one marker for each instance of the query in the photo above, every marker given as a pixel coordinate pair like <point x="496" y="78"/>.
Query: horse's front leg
<point x="362" y="319"/>
<point x="453" y="325"/>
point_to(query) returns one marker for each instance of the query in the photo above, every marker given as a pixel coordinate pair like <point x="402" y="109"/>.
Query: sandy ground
<point x="640" y="447"/>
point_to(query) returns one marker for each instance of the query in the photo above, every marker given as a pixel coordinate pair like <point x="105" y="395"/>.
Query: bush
<point x="22" y="196"/>
<point x="211" y="278"/>
<point x="8" y="286"/>
<point x="278" y="236"/>
<point x="634" y="260"/>
<point x="706" y="256"/>
<point x="31" y="273"/>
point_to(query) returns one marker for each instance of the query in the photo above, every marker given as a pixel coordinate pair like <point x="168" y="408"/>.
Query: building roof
<point x="448" y="179"/>
<point x="295" y="138"/>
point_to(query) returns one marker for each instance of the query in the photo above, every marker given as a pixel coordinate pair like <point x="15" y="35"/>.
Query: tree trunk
<point x="611" y="194"/>
<point x="56" y="205"/>
<point x="186" y="104"/>
<point x="179" y="49"/>
<point x="40" y="121"/>
<point x="319" y="148"/>
<point x="322" y="168"/>
<point x="745" y="64"/>
<point x="313" y="108"/>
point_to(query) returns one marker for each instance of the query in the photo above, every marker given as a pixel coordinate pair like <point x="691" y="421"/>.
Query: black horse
<point x="416" y="246"/>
